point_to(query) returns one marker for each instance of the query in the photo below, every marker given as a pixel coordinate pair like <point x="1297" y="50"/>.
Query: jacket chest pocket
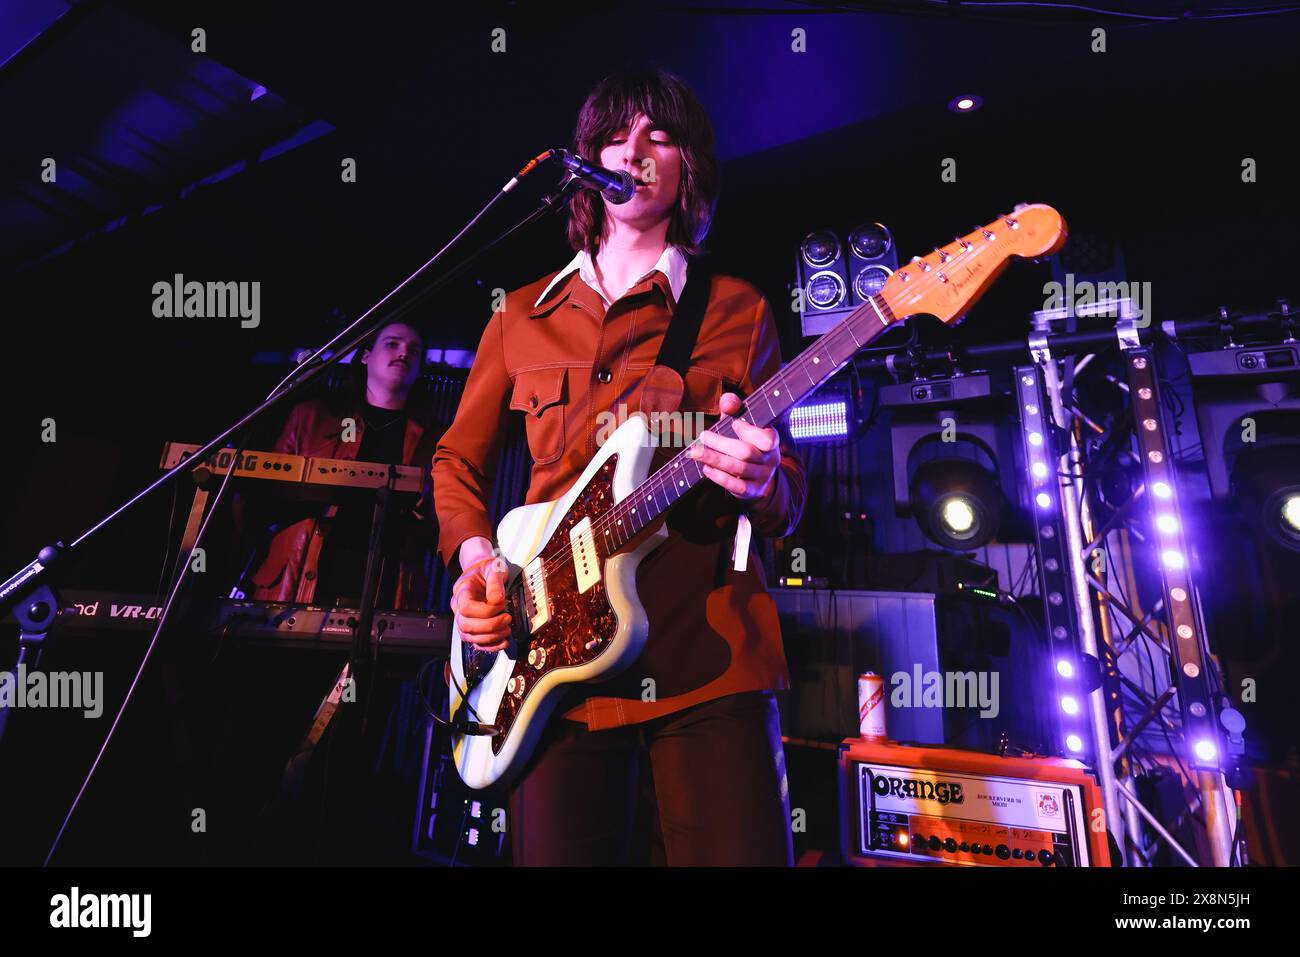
<point x="540" y="395"/>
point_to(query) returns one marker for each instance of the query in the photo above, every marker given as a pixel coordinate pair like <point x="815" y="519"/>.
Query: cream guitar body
<point x="577" y="619"/>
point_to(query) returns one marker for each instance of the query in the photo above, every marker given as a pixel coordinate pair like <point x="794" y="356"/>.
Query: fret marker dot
<point x="816" y="360"/>
<point x="776" y="391"/>
<point x="681" y="482"/>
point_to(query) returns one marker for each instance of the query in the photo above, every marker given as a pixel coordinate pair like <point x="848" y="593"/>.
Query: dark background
<point x="1142" y="144"/>
<point x="167" y="165"/>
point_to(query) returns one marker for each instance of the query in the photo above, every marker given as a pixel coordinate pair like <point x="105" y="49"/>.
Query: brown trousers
<point x="704" y="786"/>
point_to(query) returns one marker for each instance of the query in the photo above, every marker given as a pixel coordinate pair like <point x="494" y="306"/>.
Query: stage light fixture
<point x="957" y="503"/>
<point x="965" y="103"/>
<point x="820" y="249"/>
<point x="1266" y="490"/>
<point x="837" y="412"/>
<point x="870" y="241"/>
<point x="825" y="290"/>
<point x="1291" y="512"/>
<point x="958" y="516"/>
<point x="1281" y="514"/>
<point x="837" y="277"/>
<point x="820" y="420"/>
<point x="1074" y="743"/>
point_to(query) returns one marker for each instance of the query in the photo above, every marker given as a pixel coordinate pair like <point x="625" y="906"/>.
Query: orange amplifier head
<point x="919" y="805"/>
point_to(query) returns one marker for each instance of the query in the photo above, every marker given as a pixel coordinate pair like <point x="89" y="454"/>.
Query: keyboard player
<point x="319" y="558"/>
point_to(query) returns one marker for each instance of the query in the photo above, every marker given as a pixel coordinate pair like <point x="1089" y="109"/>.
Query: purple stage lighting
<point x="820" y="420"/>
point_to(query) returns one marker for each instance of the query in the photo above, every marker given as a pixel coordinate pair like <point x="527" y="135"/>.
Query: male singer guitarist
<point x="577" y="343"/>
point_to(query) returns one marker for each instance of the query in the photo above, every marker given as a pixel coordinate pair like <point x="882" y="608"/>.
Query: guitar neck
<point x="796" y="380"/>
<point x="943" y="283"/>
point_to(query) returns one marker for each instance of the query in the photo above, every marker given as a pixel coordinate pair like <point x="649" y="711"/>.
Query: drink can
<point x="871" y="705"/>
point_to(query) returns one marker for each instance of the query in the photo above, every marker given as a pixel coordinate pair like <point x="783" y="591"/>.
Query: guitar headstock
<point x="947" y="281"/>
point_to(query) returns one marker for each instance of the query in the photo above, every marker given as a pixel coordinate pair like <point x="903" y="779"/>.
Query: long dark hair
<point x="671" y="106"/>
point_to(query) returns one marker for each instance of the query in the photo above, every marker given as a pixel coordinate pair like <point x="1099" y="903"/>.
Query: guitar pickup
<point x="537" y="610"/>
<point x="586" y="560"/>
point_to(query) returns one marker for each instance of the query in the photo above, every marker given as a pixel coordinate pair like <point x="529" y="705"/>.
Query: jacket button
<point x="532" y="400"/>
<point x="604" y="376"/>
<point x="310" y="576"/>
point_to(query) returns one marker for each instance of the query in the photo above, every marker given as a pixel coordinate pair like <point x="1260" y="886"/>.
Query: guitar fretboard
<point x="797" y="379"/>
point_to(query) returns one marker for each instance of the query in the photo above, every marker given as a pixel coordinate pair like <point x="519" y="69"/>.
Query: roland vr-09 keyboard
<point x="277" y="623"/>
<point x="275" y="466"/>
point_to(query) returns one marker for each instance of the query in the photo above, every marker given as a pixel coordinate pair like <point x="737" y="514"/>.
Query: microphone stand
<point x="32" y="592"/>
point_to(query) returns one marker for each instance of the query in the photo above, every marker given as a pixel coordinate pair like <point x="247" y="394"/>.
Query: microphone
<point x="615" y="185"/>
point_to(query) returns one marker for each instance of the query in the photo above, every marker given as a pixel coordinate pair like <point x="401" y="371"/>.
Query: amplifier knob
<point x="964" y="847"/>
<point x="1029" y="855"/>
<point x="1004" y="852"/>
<point x="950" y="845"/>
<point x="1045" y="858"/>
<point x="988" y="850"/>
<point x="934" y="843"/>
<point x="1017" y="853"/>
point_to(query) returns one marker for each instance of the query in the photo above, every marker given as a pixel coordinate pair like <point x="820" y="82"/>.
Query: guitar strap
<point x="675" y="353"/>
<point x="684" y="326"/>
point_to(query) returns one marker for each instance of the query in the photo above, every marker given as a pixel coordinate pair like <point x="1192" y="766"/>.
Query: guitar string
<point x="925" y="283"/>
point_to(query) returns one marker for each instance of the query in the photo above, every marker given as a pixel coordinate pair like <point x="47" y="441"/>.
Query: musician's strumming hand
<point x="478" y="597"/>
<point x="745" y="465"/>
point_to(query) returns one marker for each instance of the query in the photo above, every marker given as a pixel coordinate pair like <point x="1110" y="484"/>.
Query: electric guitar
<point x="571" y="587"/>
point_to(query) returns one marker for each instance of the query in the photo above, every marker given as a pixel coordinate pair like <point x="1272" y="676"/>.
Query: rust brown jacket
<point x="315" y="428"/>
<point x="560" y="364"/>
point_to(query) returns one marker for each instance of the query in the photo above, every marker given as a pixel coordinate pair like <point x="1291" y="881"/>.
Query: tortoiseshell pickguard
<point x="577" y="619"/>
